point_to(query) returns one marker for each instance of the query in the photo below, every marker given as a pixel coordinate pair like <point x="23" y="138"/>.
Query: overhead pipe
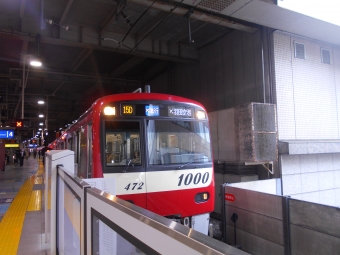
<point x="195" y="15"/>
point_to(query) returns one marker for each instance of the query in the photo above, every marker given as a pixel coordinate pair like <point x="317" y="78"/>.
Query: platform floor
<point x="21" y="211"/>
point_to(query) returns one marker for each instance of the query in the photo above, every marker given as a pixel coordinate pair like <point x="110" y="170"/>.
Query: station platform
<point x="111" y="225"/>
<point x="21" y="212"/>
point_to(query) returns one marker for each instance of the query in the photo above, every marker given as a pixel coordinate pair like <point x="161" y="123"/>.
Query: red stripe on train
<point x="178" y="202"/>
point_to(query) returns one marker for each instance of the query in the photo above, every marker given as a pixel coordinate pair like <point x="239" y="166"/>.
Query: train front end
<point x="159" y="150"/>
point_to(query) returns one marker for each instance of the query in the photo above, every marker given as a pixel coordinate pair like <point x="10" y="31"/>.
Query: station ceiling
<point x="91" y="48"/>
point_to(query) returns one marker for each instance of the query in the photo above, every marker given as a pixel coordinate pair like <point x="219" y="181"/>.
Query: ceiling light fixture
<point x="36" y="62"/>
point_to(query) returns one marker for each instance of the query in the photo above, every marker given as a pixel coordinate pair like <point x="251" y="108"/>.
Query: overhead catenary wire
<point x="154" y="26"/>
<point x="121" y="42"/>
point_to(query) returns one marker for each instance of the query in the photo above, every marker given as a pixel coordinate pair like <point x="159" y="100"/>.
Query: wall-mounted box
<point x="246" y="133"/>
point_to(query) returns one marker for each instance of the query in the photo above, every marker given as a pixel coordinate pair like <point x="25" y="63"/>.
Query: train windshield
<point x="178" y="142"/>
<point x="122" y="143"/>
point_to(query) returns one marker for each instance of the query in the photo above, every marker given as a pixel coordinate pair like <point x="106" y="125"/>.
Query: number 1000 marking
<point x="190" y="177"/>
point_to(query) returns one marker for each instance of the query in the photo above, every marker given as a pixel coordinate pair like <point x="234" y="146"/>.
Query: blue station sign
<point x="6" y="134"/>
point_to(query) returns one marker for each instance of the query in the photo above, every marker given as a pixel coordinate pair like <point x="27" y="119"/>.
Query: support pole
<point x="23" y="87"/>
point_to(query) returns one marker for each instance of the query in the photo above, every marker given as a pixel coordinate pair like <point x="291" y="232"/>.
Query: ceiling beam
<point x="109" y="19"/>
<point x="157" y="69"/>
<point x="185" y="33"/>
<point x="61" y="76"/>
<point x="127" y="66"/>
<point x="57" y="88"/>
<point x="178" y="10"/>
<point x="71" y="39"/>
<point x="65" y="12"/>
<point x="154" y="23"/>
<point x="80" y="59"/>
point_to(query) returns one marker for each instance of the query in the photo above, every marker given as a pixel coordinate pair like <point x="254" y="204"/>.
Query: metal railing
<point x="90" y="221"/>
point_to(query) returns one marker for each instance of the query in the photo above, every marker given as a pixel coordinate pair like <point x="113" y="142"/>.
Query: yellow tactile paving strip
<point x="12" y="222"/>
<point x="35" y="201"/>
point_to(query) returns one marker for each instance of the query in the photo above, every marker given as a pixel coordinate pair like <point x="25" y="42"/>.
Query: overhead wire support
<point x="187" y="15"/>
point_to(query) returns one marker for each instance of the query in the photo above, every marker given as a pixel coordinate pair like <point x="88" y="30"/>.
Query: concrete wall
<point x="312" y="177"/>
<point x="228" y="73"/>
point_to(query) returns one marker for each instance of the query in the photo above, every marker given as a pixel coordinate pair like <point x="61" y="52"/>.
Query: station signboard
<point x="5" y="134"/>
<point x="12" y="145"/>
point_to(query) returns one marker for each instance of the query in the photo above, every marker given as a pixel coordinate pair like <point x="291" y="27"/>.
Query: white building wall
<point x="307" y="90"/>
<point x="336" y="61"/>
<point x="308" y="113"/>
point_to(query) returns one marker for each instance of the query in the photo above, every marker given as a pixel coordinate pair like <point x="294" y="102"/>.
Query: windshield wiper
<point x="190" y="162"/>
<point x="126" y="166"/>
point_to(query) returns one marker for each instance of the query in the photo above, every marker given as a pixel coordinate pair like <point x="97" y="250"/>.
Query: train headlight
<point x="202" y="197"/>
<point x="109" y="110"/>
<point x="200" y="115"/>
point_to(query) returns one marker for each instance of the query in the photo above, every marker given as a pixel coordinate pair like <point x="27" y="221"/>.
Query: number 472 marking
<point x="133" y="185"/>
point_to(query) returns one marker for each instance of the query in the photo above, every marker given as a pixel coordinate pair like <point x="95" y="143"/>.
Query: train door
<point x="123" y="159"/>
<point x="83" y="152"/>
<point x="89" y="150"/>
<point x="78" y="153"/>
<point x="69" y="144"/>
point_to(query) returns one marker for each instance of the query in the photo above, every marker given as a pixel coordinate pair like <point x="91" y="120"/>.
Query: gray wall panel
<point x="228" y="76"/>
<point x="203" y="78"/>
<point x="227" y="140"/>
<point x="253" y="244"/>
<point x="238" y="71"/>
<point x="219" y="79"/>
<point x="318" y="217"/>
<point x="249" y="75"/>
<point x="261" y="203"/>
<point x="210" y="82"/>
<point x="228" y="73"/>
<point x="262" y="226"/>
<point x="306" y="241"/>
<point x="258" y="67"/>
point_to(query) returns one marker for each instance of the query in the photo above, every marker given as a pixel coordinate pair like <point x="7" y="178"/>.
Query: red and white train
<point x="157" y="146"/>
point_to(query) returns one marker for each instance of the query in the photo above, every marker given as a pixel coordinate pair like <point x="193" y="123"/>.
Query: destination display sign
<point x="128" y="109"/>
<point x="180" y="111"/>
<point x="6" y="134"/>
<point x="152" y="110"/>
<point x="156" y="110"/>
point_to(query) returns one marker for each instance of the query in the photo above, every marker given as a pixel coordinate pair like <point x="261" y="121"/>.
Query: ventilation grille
<point x="215" y="5"/>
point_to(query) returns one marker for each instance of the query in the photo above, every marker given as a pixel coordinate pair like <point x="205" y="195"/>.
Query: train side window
<point x="122" y="143"/>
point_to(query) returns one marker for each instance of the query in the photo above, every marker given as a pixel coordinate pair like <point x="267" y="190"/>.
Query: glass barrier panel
<point x="108" y="242"/>
<point x="68" y="222"/>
